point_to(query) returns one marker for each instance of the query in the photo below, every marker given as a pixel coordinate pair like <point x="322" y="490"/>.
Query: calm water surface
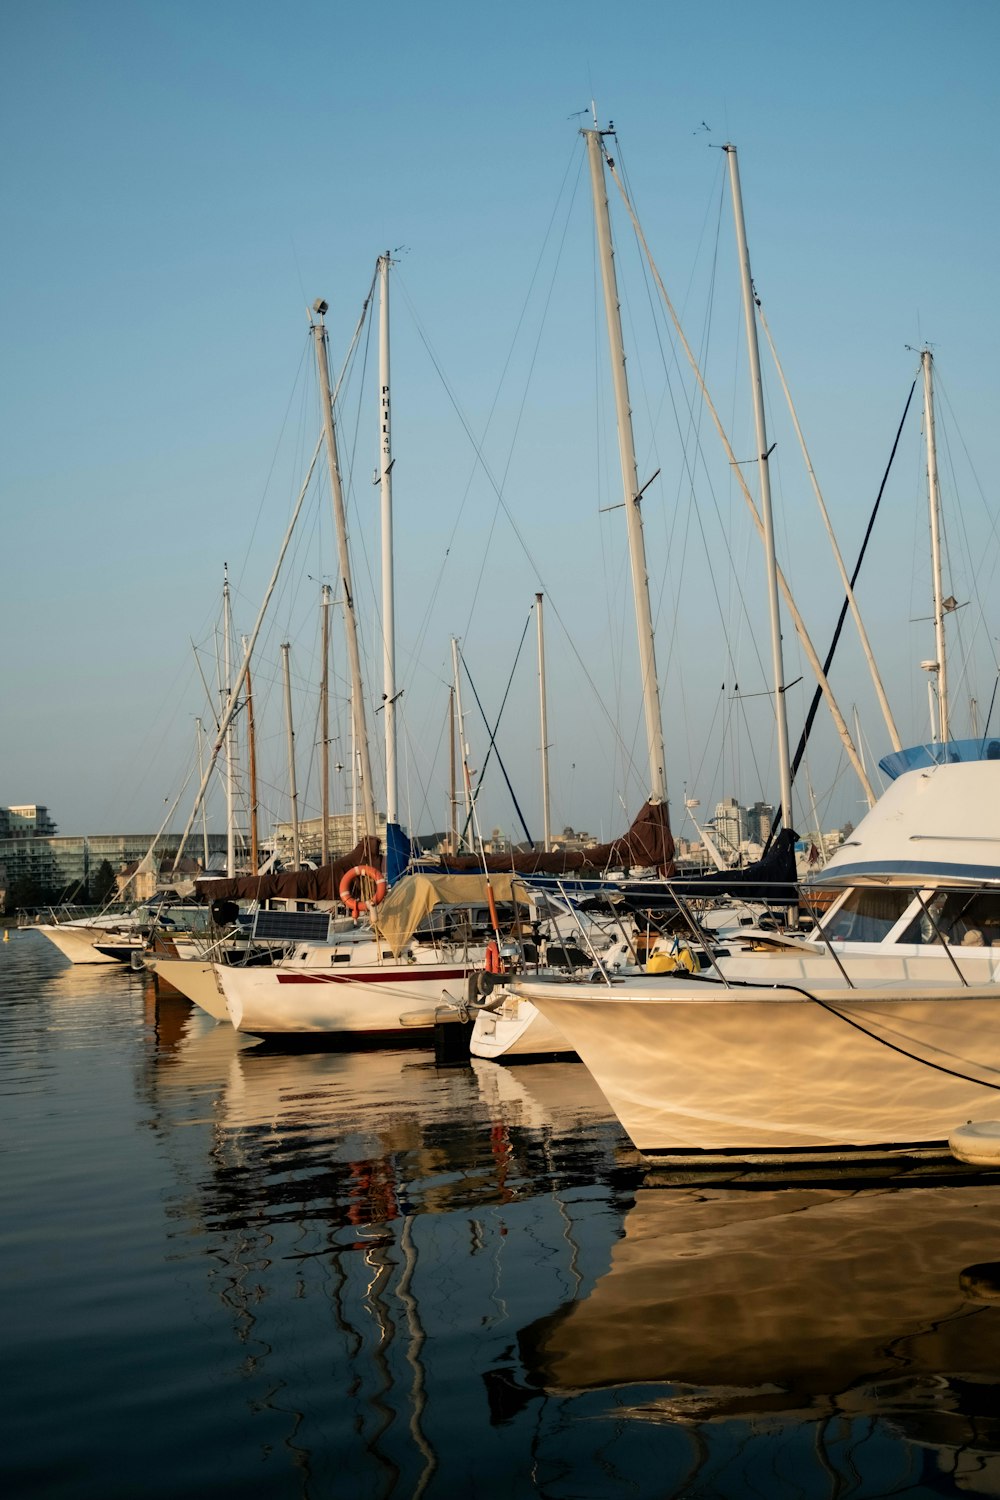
<point x="227" y="1270"/>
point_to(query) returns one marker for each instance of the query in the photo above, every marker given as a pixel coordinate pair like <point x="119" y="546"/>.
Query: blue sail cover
<point x="935" y="753"/>
<point x="397" y="852"/>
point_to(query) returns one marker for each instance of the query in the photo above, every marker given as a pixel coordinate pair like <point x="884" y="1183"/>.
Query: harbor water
<point x="230" y="1270"/>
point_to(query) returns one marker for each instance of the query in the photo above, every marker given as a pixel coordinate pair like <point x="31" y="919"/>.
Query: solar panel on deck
<point x="293" y="926"/>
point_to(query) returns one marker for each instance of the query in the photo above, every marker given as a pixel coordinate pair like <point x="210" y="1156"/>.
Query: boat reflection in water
<point x="794" y="1326"/>
<point x="453" y="1280"/>
<point x="377" y="1229"/>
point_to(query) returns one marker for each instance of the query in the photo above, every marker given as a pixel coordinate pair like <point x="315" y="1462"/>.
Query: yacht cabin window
<point x="968" y="918"/>
<point x="867" y="915"/>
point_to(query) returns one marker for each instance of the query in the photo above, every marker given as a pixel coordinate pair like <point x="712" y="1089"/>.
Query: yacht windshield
<point x="969" y="918"/>
<point x="867" y="915"/>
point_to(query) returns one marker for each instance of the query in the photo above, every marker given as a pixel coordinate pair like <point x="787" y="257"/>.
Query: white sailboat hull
<point x="693" y="1069"/>
<point x="77" y="942"/>
<point x="194" y="979"/>
<point x="368" y="1001"/>
<point x="516" y="1029"/>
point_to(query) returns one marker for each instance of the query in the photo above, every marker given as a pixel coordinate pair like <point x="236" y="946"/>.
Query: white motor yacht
<point x="878" y="1034"/>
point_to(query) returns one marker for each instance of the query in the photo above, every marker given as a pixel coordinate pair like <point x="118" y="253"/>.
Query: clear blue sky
<point x="181" y="180"/>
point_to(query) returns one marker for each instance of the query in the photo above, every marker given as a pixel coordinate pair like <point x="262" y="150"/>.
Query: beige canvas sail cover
<point x="415" y="897"/>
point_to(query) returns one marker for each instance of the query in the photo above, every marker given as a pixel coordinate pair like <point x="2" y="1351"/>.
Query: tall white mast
<point x="356" y="776"/>
<point x="204" y="809"/>
<point x="324" y="732"/>
<point x="244" y="672"/>
<point x="778" y="671"/>
<point x="251" y="767"/>
<point x="293" y="795"/>
<point x="543" y="716"/>
<point x="790" y="604"/>
<point x="227" y="628"/>
<point x="350" y="623"/>
<point x="388" y="591"/>
<point x="463" y="749"/>
<point x="453" y="798"/>
<point x="943" y="731"/>
<point x="630" y="478"/>
<point x="858" y="735"/>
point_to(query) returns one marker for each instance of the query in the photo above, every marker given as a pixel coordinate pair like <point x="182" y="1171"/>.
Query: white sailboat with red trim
<point x="403" y="954"/>
<point x="383" y="978"/>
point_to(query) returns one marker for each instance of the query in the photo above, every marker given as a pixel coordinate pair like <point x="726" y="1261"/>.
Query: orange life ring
<point x="494" y="963"/>
<point x="352" y="902"/>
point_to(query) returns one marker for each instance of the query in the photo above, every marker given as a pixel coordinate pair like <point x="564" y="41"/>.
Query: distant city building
<point x="743" y="833"/>
<point x="573" y="841"/>
<point x="24" y="847"/>
<point x="760" y="818"/>
<point x="37" y="858"/>
<point x="29" y="821"/>
<point x="140" y="880"/>
<point x="730" y="823"/>
<point x="343" y="831"/>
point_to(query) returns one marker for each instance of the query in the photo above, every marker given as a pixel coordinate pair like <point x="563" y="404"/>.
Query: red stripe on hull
<point x="375" y="976"/>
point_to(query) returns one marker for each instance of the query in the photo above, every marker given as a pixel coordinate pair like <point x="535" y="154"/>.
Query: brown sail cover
<point x="647" y="844"/>
<point x="294" y="885"/>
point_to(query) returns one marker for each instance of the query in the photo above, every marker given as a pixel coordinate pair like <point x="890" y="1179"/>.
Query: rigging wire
<point x="975" y="565"/>
<point x="479" y="460"/>
<point x="782" y="580"/>
<point x="274" y="458"/>
<point x="492" y="737"/>
<point x="432" y="758"/>
<point x="842" y="616"/>
<point x="515" y="529"/>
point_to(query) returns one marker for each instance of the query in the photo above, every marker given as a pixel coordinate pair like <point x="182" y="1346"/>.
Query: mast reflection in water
<point x="231" y="1270"/>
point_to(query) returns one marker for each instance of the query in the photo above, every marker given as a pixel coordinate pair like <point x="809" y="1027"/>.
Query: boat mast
<point x="630" y="477"/>
<point x="199" y="727"/>
<point x="943" y="731"/>
<point x="462" y="746"/>
<point x="859" y="736"/>
<point x="453" y="797"/>
<point x="543" y="715"/>
<point x="388" y="591"/>
<point x="793" y="611"/>
<point x="784" y="760"/>
<point x="324" y="706"/>
<point x="318" y="330"/>
<point x="355" y="778"/>
<point x="251" y="766"/>
<point x="293" y="795"/>
<point x="232" y="704"/>
<point x="227" y="626"/>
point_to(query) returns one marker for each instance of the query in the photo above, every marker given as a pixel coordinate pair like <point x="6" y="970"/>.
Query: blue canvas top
<point x="935" y="753"/>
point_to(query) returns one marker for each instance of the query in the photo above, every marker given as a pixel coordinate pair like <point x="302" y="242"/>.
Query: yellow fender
<point x="669" y="963"/>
